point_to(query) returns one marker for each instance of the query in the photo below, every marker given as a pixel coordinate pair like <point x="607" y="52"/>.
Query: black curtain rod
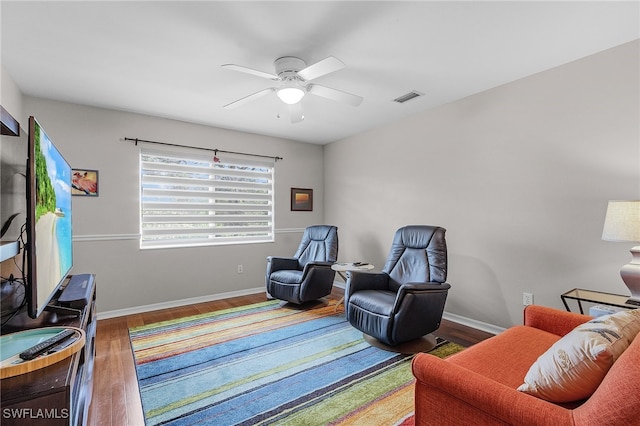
<point x="216" y="151"/>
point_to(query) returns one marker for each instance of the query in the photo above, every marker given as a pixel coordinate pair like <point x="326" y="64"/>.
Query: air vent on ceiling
<point x="407" y="97"/>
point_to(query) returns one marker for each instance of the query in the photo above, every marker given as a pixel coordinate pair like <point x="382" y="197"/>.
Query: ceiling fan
<point x="294" y="76"/>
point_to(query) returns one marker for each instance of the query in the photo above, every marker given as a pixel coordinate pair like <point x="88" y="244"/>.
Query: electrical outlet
<point x="527" y="299"/>
<point x="240" y="269"/>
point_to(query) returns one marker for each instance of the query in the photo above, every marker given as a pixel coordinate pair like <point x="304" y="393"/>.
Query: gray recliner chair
<point x="404" y="301"/>
<point x="307" y="275"/>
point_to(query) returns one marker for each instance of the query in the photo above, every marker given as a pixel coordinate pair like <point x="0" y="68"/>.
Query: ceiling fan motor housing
<point x="288" y="66"/>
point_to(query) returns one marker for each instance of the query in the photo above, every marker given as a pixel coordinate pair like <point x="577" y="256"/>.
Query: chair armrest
<point x="552" y="320"/>
<point x="428" y="298"/>
<point x="451" y="383"/>
<point x="319" y="263"/>
<point x="366" y="280"/>
<point x="363" y="280"/>
<point x="275" y="263"/>
<point x="428" y="287"/>
<point x="315" y="265"/>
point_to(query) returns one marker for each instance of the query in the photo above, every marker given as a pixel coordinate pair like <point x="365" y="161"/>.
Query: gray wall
<point x="520" y="176"/>
<point x="10" y="94"/>
<point x="106" y="227"/>
<point x="13" y="162"/>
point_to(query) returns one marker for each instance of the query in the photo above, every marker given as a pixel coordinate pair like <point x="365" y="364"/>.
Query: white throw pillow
<point x="573" y="368"/>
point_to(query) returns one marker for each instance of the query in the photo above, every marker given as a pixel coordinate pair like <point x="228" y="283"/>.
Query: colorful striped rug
<point x="270" y="363"/>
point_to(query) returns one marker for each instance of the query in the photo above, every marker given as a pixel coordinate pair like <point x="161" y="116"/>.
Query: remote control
<point x="36" y="350"/>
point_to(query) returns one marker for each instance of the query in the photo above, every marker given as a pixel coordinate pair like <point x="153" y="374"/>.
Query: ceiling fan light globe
<point x="290" y="95"/>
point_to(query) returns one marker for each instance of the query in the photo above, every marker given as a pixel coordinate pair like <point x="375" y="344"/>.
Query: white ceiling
<point x="163" y="57"/>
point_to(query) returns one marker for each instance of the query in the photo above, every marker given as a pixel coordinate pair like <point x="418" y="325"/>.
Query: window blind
<point x="191" y="199"/>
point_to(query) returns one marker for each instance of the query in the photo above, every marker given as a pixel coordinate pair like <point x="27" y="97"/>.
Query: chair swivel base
<point x="421" y="344"/>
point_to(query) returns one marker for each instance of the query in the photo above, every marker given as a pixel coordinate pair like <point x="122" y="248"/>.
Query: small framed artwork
<point x="84" y="182"/>
<point x="301" y="199"/>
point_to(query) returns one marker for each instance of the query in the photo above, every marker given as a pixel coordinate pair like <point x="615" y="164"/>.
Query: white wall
<point x="519" y="175"/>
<point x="106" y="227"/>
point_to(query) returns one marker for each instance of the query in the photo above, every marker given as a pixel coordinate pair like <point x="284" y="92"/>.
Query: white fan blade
<point x="249" y="98"/>
<point x="335" y="94"/>
<point x="251" y="71"/>
<point x="325" y="66"/>
<point x="295" y="111"/>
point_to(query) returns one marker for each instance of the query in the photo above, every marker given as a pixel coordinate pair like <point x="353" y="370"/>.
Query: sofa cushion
<point x="574" y="366"/>
<point x="617" y="399"/>
<point x="506" y="357"/>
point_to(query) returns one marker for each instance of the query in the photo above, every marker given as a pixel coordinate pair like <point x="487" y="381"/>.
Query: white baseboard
<point x="177" y="303"/>
<point x="489" y="328"/>
<point x="469" y="322"/>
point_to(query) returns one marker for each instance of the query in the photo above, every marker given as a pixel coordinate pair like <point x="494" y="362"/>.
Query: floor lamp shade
<point x="622" y="223"/>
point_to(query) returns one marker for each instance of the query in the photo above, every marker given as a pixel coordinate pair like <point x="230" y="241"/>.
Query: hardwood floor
<point x="116" y="399"/>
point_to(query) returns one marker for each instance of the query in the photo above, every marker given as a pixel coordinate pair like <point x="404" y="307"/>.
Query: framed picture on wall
<point x="301" y="199"/>
<point x="84" y="182"/>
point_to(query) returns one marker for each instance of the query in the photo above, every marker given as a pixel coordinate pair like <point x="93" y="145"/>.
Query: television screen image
<point x="49" y="224"/>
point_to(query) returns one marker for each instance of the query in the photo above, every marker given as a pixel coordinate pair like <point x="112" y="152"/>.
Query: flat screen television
<point x="49" y="234"/>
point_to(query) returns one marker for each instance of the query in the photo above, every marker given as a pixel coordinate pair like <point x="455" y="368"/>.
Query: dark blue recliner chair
<point x="307" y="275"/>
<point x="404" y="301"/>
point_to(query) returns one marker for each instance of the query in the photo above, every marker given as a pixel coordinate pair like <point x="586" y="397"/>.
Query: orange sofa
<point x="478" y="385"/>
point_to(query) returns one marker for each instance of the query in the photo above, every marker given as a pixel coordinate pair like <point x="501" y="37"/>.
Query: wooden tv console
<point x="59" y="394"/>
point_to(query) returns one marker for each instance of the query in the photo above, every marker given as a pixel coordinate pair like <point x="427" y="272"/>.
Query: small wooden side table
<point x="343" y="268"/>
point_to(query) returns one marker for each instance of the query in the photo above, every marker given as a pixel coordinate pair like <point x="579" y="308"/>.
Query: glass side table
<point x="581" y="295"/>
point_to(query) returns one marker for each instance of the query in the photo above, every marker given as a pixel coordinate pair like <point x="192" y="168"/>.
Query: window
<point x="190" y="199"/>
